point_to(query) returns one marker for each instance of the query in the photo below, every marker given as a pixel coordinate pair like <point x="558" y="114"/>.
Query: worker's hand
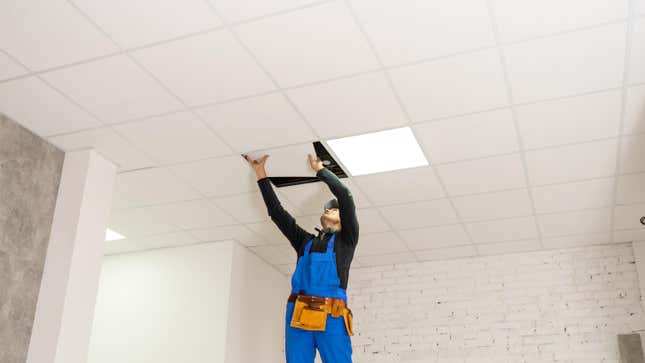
<point x="258" y="165"/>
<point x="316" y="164"/>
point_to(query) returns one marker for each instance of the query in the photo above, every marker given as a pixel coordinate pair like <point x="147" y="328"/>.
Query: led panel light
<point x="379" y="151"/>
<point x="111" y="235"/>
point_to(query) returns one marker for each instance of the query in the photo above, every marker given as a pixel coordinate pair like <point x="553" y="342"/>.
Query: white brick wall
<point x="548" y="306"/>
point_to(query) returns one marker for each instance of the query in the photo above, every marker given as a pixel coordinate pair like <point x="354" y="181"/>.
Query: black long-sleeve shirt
<point x="346" y="238"/>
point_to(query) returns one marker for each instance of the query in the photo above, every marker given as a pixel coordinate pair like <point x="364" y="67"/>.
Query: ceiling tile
<point x="483" y="175"/>
<point x="567" y="64"/>
<point x="205" y="68"/>
<point x="46" y="34"/>
<point x="271" y="234"/>
<point x="311" y="197"/>
<point x="288" y="160"/>
<point x="577" y="240"/>
<point x="435" y="237"/>
<point x="468" y="137"/>
<point x="630" y="235"/>
<point x="630" y="189"/>
<point x="413" y="30"/>
<point x="250" y="207"/>
<point x="487" y="206"/>
<point x="39" y="108"/>
<point x="640" y="7"/>
<point x="222" y="233"/>
<point x="632" y="154"/>
<point x="452" y="86"/>
<point x="349" y="106"/>
<point x="578" y="222"/>
<point x="268" y="116"/>
<point x="149" y="242"/>
<point x="137" y="222"/>
<point x="628" y="216"/>
<point x="108" y="143"/>
<point x="637" y="52"/>
<point x="503" y="230"/>
<point x="570" y="120"/>
<point x="222" y="176"/>
<point x="446" y="253"/>
<point x="420" y="214"/>
<point x="149" y="186"/>
<point x="273" y="254"/>
<point x="9" y="68"/>
<point x="195" y="214"/>
<point x="236" y="10"/>
<point x="570" y="196"/>
<point x="135" y="23"/>
<point x="569" y="163"/>
<point x="114" y="89"/>
<point x="509" y="247"/>
<point x="287" y="269"/>
<point x="400" y="186"/>
<point x="370" y="221"/>
<point x="387" y="259"/>
<point x="174" y="138"/>
<point x="310" y="49"/>
<point x="634" y="122"/>
<point x="519" y="19"/>
<point x="378" y="244"/>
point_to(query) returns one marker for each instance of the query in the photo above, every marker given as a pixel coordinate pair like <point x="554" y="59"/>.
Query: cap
<point x="333" y="203"/>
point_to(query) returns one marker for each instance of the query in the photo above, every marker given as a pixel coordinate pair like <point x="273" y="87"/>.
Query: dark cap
<point x="331" y="204"/>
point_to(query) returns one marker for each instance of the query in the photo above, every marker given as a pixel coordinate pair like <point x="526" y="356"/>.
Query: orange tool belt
<point x="310" y="312"/>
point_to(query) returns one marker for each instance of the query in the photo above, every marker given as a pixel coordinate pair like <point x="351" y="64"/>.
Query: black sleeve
<point x="285" y="222"/>
<point x="347" y="209"/>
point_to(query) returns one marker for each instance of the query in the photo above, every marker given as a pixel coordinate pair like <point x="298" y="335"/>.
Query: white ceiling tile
<point x="446" y="253"/>
<point x="108" y="143"/>
<point x="378" y="244"/>
<point x="310" y="49"/>
<point x="503" y="230"/>
<point x="174" y="239"/>
<point x="420" y="214"/>
<point x="570" y="120"/>
<point x="506" y="204"/>
<point x="250" y="207"/>
<point x="570" y="196"/>
<point x="413" y="30"/>
<point x="114" y="89"/>
<point x="634" y="122"/>
<point x="509" y="247"/>
<point x="400" y="186"/>
<point x="135" y="23"/>
<point x="578" y="222"/>
<point x="174" y="138"/>
<point x="628" y="216"/>
<point x="569" y="163"/>
<point x="287" y="160"/>
<point x="39" y="108"/>
<point x="43" y="34"/>
<point x="637" y="52"/>
<point x="119" y="246"/>
<point x="640" y="7"/>
<point x="370" y="221"/>
<point x="387" y="259"/>
<point x="268" y="116"/>
<point x="452" y="86"/>
<point x="577" y="240"/>
<point x="271" y="234"/>
<point x="221" y="176"/>
<point x="632" y="154"/>
<point x="137" y="222"/>
<point x="468" y="137"/>
<point x="9" y="68"/>
<point x="205" y="68"/>
<point x="435" y="237"/>
<point x="311" y="197"/>
<point x="631" y="235"/>
<point x="149" y="186"/>
<point x="195" y="214"/>
<point x="519" y="19"/>
<point x="567" y="64"/>
<point x="236" y="10"/>
<point x="273" y="254"/>
<point x="349" y="106"/>
<point x="483" y="175"/>
<point x="222" y="233"/>
<point x="630" y="189"/>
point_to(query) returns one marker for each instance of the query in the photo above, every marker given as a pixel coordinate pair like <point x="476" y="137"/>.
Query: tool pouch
<point x="308" y="316"/>
<point x="349" y="321"/>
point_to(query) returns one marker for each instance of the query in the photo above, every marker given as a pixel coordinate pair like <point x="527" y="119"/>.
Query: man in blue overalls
<point x="319" y="284"/>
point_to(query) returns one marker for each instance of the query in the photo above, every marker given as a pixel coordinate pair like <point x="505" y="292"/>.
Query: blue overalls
<point x="316" y="275"/>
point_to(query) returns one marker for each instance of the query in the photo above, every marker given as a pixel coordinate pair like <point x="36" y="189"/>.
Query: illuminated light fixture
<point x="379" y="151"/>
<point x="111" y="235"/>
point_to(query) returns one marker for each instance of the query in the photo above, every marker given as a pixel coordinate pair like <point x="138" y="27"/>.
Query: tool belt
<point x="310" y="312"/>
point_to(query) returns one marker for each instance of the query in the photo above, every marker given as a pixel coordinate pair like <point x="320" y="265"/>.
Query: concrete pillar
<point x="65" y="308"/>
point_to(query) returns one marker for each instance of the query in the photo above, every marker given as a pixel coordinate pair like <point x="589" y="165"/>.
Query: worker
<point x="317" y="315"/>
